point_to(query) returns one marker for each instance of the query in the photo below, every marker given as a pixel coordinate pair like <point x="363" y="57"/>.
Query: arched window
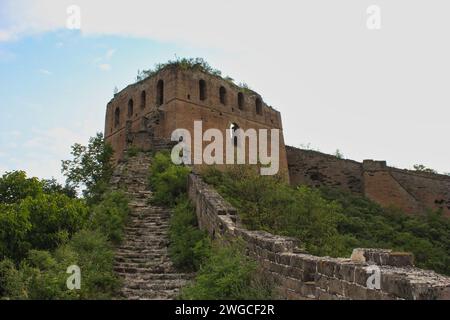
<point x="241" y="101"/>
<point x="202" y="89"/>
<point x="160" y="93"/>
<point x="223" y="95"/>
<point x="117" y="117"/>
<point x="258" y="105"/>
<point x="130" y="108"/>
<point x="143" y="99"/>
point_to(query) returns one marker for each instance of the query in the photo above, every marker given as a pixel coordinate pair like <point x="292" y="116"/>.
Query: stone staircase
<point x="142" y="260"/>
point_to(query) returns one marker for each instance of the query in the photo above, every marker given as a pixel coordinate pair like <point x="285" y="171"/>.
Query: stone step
<point x="158" y="276"/>
<point x="142" y="260"/>
<point x="160" y="268"/>
<point x="133" y="294"/>
<point x="156" y="285"/>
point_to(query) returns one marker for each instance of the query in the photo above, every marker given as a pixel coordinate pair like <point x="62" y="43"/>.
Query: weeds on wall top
<point x="197" y="64"/>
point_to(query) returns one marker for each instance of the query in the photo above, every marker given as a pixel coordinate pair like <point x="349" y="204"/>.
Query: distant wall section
<point x="411" y="191"/>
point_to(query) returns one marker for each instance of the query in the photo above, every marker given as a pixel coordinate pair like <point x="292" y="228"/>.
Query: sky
<point x="371" y="93"/>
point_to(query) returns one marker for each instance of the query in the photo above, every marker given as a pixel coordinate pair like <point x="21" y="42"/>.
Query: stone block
<point x="345" y="271"/>
<point x="383" y="257"/>
<point x="327" y="266"/>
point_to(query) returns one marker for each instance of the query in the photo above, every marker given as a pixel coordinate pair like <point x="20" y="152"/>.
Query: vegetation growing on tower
<point x="193" y="64"/>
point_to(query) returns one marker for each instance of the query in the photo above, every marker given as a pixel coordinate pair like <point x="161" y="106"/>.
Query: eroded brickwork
<point x="218" y="104"/>
<point x="316" y="169"/>
<point x="411" y="191"/>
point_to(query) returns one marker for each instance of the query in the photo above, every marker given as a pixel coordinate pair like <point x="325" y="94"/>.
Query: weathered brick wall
<point x="182" y="106"/>
<point x="144" y="124"/>
<point x="431" y="190"/>
<point x="303" y="276"/>
<point x="411" y="191"/>
<point x="314" y="168"/>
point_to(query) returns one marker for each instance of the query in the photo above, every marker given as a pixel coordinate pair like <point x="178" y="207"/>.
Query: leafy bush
<point x="224" y="273"/>
<point x="42" y="222"/>
<point x="43" y="274"/>
<point x="109" y="216"/>
<point x="332" y="222"/>
<point x="132" y="151"/>
<point x="15" y="186"/>
<point x="228" y="274"/>
<point x="188" y="245"/>
<point x="168" y="181"/>
<point x="267" y="203"/>
<point x="369" y="225"/>
<point x="43" y="232"/>
<point x="44" y="229"/>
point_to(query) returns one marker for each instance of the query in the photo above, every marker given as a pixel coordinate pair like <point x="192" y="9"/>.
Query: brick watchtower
<point x="145" y="114"/>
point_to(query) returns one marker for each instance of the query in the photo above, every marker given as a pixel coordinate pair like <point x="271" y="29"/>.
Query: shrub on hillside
<point x="109" y="216"/>
<point x="189" y="246"/>
<point x="332" y="222"/>
<point x="267" y="203"/>
<point x="426" y="236"/>
<point x="228" y="274"/>
<point x="42" y="275"/>
<point x="43" y="234"/>
<point x="42" y="222"/>
<point x="167" y="180"/>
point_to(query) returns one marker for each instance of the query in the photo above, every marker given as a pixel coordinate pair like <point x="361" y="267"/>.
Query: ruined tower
<point x="145" y="114"/>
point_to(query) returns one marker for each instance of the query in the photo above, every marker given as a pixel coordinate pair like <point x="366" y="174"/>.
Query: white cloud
<point x="41" y="154"/>
<point x="101" y="61"/>
<point x="5" y="35"/>
<point x="104" y="67"/>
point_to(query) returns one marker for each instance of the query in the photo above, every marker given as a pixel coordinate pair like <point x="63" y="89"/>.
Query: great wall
<point x="143" y="116"/>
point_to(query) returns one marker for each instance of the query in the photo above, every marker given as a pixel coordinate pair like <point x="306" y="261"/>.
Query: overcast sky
<point x="374" y="94"/>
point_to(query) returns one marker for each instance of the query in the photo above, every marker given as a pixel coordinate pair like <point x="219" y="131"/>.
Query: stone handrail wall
<point x="299" y="275"/>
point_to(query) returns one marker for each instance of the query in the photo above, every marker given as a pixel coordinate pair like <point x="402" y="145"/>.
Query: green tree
<point x="90" y="168"/>
<point x="422" y="168"/>
<point x="52" y="186"/>
<point x="42" y="222"/>
<point x="338" y="154"/>
<point x="15" y="186"/>
<point x="228" y="274"/>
